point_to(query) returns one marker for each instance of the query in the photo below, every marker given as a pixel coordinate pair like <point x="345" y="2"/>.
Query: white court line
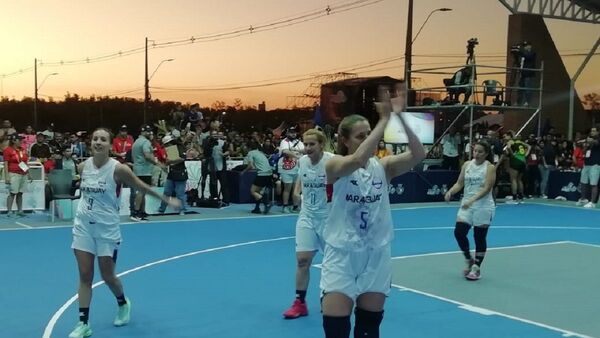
<point x="489" y="249"/>
<point x="24" y="225"/>
<point x="54" y="319"/>
<point x="488" y="312"/>
<point x="585" y="244"/>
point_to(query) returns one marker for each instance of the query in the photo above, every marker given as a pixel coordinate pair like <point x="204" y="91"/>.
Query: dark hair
<point x="344" y="130"/>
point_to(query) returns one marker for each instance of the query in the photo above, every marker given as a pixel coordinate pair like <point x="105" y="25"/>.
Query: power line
<point x="252" y="29"/>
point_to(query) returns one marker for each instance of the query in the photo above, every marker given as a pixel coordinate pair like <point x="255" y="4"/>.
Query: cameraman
<point x="527" y="59"/>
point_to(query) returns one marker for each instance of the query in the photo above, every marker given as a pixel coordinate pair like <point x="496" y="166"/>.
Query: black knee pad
<point x="336" y="327"/>
<point x="366" y="323"/>
<point x="461" y="229"/>
<point x="480" y="239"/>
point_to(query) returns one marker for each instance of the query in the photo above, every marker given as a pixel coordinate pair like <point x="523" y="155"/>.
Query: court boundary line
<point x="488" y="312"/>
<point x="489" y="249"/>
<point x="24" y="225"/>
<point x="585" y="244"/>
<point x="446" y="205"/>
<point x="61" y="310"/>
<point x="485" y="311"/>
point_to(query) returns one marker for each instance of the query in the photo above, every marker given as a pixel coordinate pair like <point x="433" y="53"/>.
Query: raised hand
<point x="383" y="104"/>
<point x="399" y="100"/>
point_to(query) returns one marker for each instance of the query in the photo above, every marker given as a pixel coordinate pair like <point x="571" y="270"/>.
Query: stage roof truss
<point x="572" y="10"/>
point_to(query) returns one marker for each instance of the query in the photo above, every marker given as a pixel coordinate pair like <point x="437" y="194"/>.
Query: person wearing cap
<point x="16" y="173"/>
<point x="122" y="143"/>
<point x="143" y="163"/>
<point x="40" y="150"/>
<point x="177" y="176"/>
<point x="290" y="150"/>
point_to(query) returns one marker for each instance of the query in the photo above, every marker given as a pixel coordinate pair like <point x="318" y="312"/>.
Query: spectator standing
<point x="290" y="150"/>
<point x="590" y="174"/>
<point x="122" y="143"/>
<point x="28" y="138"/>
<point x="450" y="150"/>
<point x="177" y="176"/>
<point x="16" y="173"/>
<point x="40" y="150"/>
<point x="143" y="162"/>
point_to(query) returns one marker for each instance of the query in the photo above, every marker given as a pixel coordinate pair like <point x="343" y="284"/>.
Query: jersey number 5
<point x="363" y="220"/>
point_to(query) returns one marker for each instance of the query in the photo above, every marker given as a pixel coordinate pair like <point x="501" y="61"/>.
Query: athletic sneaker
<point x="467" y="269"/>
<point x="124" y="314"/>
<point x="474" y="274"/>
<point x="589" y="205"/>
<point x="286" y="210"/>
<point x="81" y="331"/>
<point x="581" y="201"/>
<point x="267" y="208"/>
<point x="297" y="310"/>
<point x="256" y="211"/>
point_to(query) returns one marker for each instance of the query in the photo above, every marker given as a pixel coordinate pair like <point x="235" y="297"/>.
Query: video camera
<point x="471" y="43"/>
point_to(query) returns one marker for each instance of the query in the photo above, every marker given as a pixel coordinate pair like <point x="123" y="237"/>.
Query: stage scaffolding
<point x="473" y="104"/>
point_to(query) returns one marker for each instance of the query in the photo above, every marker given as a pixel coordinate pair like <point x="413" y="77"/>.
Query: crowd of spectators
<point x="524" y="162"/>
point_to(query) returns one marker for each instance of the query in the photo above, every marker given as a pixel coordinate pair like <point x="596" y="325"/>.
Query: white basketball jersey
<point x="313" y="180"/>
<point x="360" y="215"/>
<point x="475" y="176"/>
<point x="99" y="193"/>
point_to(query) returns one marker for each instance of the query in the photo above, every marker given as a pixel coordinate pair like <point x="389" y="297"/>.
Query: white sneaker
<point x="124" y="314"/>
<point x="545" y="197"/>
<point x="81" y="331"/>
<point x="474" y="274"/>
<point x="589" y="205"/>
<point x="581" y="201"/>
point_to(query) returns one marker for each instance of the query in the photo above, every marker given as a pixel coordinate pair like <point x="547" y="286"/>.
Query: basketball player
<point x="476" y="208"/>
<point x="313" y="213"/>
<point x="359" y="229"/>
<point x="96" y="231"/>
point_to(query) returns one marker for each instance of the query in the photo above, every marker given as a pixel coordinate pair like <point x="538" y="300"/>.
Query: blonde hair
<point x="316" y="133"/>
<point x="344" y="130"/>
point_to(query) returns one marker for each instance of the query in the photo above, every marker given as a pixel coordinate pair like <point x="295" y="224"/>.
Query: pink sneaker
<point x="474" y="274"/>
<point x="297" y="310"/>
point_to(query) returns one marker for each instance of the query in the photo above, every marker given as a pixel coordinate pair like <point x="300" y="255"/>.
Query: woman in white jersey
<point x="359" y="229"/>
<point x="313" y="213"/>
<point x="477" y="206"/>
<point x="96" y="231"/>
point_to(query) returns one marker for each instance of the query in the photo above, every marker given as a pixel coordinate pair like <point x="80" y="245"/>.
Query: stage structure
<point x="466" y="95"/>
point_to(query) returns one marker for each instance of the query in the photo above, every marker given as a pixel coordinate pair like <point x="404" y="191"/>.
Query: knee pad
<point x="336" y="327"/>
<point x="461" y="229"/>
<point x="480" y="239"/>
<point x="367" y="323"/>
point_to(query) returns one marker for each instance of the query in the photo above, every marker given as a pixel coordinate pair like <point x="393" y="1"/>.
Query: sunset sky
<point x="75" y="30"/>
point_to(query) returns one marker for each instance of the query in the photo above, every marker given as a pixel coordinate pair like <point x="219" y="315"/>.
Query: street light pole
<point x="148" y="78"/>
<point x="410" y="40"/>
<point x="146" y="81"/>
<point x="36" y="89"/>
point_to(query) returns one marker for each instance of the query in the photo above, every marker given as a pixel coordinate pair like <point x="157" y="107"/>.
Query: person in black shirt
<point x="549" y="161"/>
<point x="527" y="61"/>
<point x="40" y="149"/>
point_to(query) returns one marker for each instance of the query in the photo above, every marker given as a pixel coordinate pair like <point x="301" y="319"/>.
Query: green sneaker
<point x="81" y="331"/>
<point x="124" y="314"/>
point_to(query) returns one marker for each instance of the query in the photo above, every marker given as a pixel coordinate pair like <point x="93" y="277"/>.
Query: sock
<point x="121" y="300"/>
<point x="84" y="314"/>
<point x="479" y="258"/>
<point x="301" y="295"/>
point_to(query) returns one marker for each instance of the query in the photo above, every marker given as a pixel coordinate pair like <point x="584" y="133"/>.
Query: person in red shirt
<point x="121" y="144"/>
<point x="159" y="175"/>
<point x="16" y="173"/>
<point x="578" y="154"/>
